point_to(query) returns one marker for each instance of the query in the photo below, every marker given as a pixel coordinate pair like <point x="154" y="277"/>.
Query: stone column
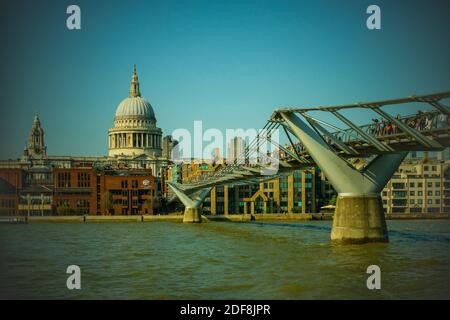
<point x="313" y="192"/>
<point x="276" y="194"/>
<point x="303" y="192"/>
<point x="213" y="201"/>
<point x="290" y="194"/>
<point x="236" y="199"/>
<point x="225" y="200"/>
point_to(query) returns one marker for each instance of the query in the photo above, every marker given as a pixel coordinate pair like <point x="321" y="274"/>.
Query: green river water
<point x="221" y="260"/>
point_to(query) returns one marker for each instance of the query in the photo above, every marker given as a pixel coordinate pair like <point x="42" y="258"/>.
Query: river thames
<point x="221" y="260"/>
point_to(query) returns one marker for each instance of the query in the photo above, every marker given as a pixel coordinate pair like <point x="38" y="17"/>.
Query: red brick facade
<point x="78" y="191"/>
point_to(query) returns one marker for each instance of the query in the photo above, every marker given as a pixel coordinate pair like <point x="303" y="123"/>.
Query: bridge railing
<point x="380" y="128"/>
<point x="422" y="121"/>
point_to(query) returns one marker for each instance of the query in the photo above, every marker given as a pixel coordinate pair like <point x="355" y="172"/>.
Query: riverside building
<point x="420" y="185"/>
<point x="129" y="180"/>
<point x="304" y="191"/>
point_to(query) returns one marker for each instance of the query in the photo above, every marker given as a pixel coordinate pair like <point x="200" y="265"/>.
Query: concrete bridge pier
<point x="193" y="210"/>
<point x="359" y="219"/>
<point x="359" y="215"/>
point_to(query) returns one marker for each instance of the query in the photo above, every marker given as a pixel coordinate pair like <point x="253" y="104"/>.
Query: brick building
<point x="42" y="190"/>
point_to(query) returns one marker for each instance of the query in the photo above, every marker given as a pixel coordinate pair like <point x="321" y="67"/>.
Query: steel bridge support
<point x="359" y="215"/>
<point x="193" y="210"/>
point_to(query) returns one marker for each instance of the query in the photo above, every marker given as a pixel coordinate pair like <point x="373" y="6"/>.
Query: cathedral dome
<point x="135" y="108"/>
<point x="135" y="132"/>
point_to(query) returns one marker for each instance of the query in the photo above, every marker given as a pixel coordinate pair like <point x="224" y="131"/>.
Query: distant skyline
<point x="227" y="63"/>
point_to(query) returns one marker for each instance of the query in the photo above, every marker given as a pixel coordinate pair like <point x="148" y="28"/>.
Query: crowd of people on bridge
<point x="421" y="122"/>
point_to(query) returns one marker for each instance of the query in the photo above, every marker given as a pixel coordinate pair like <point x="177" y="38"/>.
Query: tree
<point x="332" y="201"/>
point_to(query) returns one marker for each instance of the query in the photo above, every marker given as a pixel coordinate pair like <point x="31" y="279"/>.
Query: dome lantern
<point x="134" y="106"/>
<point x="134" y="85"/>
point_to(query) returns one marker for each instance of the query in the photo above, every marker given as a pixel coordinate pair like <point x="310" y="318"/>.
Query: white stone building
<point x="419" y="186"/>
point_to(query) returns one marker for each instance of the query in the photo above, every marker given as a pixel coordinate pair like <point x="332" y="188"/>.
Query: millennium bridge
<point x="383" y="144"/>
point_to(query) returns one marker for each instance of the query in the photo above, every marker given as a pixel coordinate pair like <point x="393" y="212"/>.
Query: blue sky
<point x="228" y="63"/>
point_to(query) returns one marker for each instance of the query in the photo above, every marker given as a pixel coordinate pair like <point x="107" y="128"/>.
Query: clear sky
<point x="228" y="63"/>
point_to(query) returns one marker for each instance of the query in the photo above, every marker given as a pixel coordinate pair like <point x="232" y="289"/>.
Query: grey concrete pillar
<point x="193" y="210"/>
<point x="359" y="219"/>
<point x="359" y="215"/>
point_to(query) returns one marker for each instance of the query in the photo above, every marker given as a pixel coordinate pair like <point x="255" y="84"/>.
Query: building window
<point x="437" y="184"/>
<point x="399" y="194"/>
<point x="429" y="201"/>
<point x="64" y="180"/>
<point x="430" y="193"/>
<point x="411" y="184"/>
<point x="430" y="184"/>
<point x="411" y="201"/>
<point x="411" y="193"/>
<point x="437" y="201"/>
<point x="419" y="193"/>
<point x="384" y="193"/>
<point x="437" y="193"/>
<point x="425" y="168"/>
<point x="83" y="206"/>
<point x="124" y="184"/>
<point x="419" y="185"/>
<point x="399" y="202"/>
<point x="398" y="186"/>
<point x="84" y="180"/>
<point x="419" y="201"/>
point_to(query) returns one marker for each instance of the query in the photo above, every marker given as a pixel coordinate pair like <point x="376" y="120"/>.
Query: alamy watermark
<point x="73" y="21"/>
<point x="374" y="20"/>
<point x="374" y="280"/>
<point x="231" y="146"/>
<point x="74" y="280"/>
